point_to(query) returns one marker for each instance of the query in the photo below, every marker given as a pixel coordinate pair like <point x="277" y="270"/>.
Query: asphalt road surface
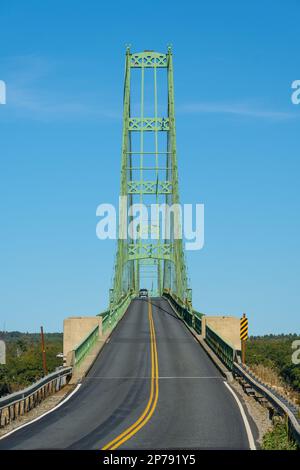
<point x="151" y="387"/>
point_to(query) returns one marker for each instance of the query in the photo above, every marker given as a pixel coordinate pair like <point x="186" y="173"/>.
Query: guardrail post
<point x="19" y="403"/>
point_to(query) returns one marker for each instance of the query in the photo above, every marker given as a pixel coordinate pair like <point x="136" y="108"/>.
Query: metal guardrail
<point x="191" y="318"/>
<point x="81" y="350"/>
<point x="198" y="322"/>
<point x="295" y="409"/>
<point x="280" y="404"/>
<point x="114" y="315"/>
<point x="228" y="355"/>
<point x="105" y="322"/>
<point x="19" y="403"/>
<point x="223" y="349"/>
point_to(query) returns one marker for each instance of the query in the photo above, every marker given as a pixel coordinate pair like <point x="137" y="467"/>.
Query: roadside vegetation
<point x="24" y="359"/>
<point x="270" y="357"/>
<point x="278" y="439"/>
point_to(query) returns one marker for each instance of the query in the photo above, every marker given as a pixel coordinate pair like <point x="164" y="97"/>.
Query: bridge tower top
<point x="149" y="253"/>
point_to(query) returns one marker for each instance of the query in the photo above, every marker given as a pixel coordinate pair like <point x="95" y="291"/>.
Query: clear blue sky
<point x="238" y="150"/>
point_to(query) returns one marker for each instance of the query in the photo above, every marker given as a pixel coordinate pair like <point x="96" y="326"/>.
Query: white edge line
<point x="245" y="419"/>
<point x="44" y="414"/>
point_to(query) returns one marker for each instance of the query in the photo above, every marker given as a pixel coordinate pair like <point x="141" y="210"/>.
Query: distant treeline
<point x="275" y="351"/>
<point x="24" y="358"/>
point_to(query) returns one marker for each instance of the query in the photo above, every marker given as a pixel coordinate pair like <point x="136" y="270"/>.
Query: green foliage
<point x="275" y="351"/>
<point x="277" y="439"/>
<point x="24" y="359"/>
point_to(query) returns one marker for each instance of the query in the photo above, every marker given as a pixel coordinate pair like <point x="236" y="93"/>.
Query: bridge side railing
<point x="190" y="316"/>
<point x="223" y="349"/>
<point x="19" y="403"/>
<point x="111" y="317"/>
<point x="109" y="320"/>
<point x="83" y="348"/>
<point x="198" y="322"/>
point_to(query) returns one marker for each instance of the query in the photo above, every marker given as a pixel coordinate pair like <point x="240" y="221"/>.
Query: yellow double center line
<point x="151" y="405"/>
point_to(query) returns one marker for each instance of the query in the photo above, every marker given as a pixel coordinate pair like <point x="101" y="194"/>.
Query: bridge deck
<point x="194" y="408"/>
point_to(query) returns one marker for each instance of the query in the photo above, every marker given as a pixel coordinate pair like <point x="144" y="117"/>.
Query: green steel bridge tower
<point x="153" y="259"/>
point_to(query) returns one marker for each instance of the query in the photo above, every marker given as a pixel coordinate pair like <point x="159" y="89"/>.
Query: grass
<point x="278" y="439"/>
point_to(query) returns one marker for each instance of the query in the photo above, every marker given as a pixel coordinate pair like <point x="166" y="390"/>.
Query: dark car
<point x="143" y="293"/>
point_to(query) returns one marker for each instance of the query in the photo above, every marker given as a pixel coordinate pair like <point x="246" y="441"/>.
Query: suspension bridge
<point x="149" y="373"/>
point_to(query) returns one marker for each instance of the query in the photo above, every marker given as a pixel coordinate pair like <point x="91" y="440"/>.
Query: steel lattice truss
<point x="164" y="256"/>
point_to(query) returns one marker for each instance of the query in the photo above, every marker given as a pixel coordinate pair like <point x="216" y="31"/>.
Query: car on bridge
<point x="143" y="293"/>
